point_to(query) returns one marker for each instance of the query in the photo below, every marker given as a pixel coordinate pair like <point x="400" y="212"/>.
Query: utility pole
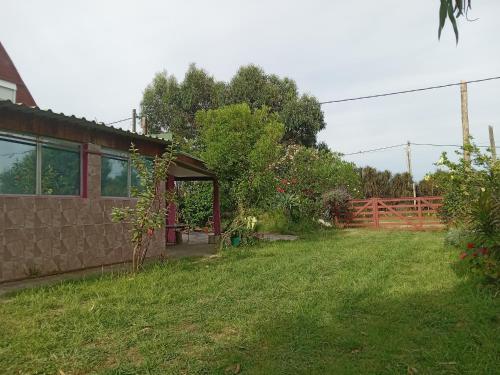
<point x="408" y="161"/>
<point x="144" y="126"/>
<point x="134" y="118"/>
<point x="492" y="144"/>
<point x="465" y="119"/>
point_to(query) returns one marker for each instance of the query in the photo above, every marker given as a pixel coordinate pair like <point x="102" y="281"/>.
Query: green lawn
<point x="351" y="302"/>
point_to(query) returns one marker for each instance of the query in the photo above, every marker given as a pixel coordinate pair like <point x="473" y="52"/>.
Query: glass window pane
<point x="60" y="171"/>
<point x="17" y="167"/>
<point x="114" y="177"/>
<point x="134" y="178"/>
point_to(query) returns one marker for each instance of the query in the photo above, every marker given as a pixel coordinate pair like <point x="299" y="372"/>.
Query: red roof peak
<point x="9" y="73"/>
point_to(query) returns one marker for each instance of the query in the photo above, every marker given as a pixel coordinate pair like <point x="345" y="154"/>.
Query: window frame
<point x="40" y="141"/>
<point x="123" y="156"/>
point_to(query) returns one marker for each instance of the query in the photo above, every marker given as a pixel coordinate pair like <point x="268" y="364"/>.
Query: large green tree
<point x="301" y="115"/>
<point x="161" y="105"/>
<point x="171" y="106"/>
<point x="239" y="145"/>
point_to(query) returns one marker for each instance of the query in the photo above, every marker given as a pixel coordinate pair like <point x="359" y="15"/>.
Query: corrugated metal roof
<point x="48" y="113"/>
<point x="35" y="111"/>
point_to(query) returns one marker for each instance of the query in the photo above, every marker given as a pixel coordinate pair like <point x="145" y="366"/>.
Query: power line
<point x="407" y="91"/>
<point x="404" y="144"/>
<point x="439" y="145"/>
<point x="374" y="149"/>
<point x="116" y="122"/>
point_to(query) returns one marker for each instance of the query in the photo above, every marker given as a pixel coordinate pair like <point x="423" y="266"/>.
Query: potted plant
<point x="235" y="239"/>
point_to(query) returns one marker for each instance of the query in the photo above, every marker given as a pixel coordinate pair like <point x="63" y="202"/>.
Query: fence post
<point x="420" y="216"/>
<point x="375" y="212"/>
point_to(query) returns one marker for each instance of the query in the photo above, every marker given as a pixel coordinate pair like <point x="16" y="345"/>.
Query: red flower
<point x="463" y="255"/>
<point x="483" y="251"/>
<point x="470" y="245"/>
<point x="280" y="190"/>
<point x="284" y="181"/>
<point x="151" y="231"/>
<point x="474" y="254"/>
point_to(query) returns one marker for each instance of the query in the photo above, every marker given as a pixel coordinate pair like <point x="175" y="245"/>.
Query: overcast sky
<point x="94" y="59"/>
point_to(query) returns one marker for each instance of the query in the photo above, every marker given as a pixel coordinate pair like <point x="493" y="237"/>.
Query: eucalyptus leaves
<point x="452" y="9"/>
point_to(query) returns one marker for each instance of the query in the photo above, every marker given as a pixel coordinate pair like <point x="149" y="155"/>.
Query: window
<point x="8" y="91"/>
<point x="115" y="174"/>
<point x="36" y="165"/>
<point x="17" y="166"/>
<point x="135" y="180"/>
<point x="60" y="170"/>
<point x="118" y="177"/>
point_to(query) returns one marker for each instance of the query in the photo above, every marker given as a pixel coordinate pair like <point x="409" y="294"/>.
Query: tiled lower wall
<point x="46" y="235"/>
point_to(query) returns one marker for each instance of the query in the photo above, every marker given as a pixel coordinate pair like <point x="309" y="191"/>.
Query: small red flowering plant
<point x="478" y="257"/>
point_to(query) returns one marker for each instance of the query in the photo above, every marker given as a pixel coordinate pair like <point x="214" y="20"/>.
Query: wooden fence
<point x="419" y="213"/>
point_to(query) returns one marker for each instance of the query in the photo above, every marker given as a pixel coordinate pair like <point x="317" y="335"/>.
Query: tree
<point x="151" y="208"/>
<point x="172" y="106"/>
<point x="433" y="184"/>
<point x="253" y="86"/>
<point x="239" y="145"/>
<point x="303" y="119"/>
<point x="302" y="116"/>
<point x="195" y="202"/>
<point x="199" y="91"/>
<point x="161" y="105"/>
<point x="452" y="9"/>
<point x="401" y="185"/>
<point x="375" y="183"/>
<point x="383" y="184"/>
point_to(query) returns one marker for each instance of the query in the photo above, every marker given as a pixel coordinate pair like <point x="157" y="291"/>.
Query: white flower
<point x="483" y="189"/>
<point x="324" y="223"/>
<point x="251" y="221"/>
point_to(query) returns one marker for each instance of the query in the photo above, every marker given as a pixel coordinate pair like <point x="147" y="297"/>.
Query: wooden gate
<point x="405" y="213"/>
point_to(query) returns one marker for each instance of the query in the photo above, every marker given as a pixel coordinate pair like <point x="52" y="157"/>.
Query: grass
<point x="351" y="302"/>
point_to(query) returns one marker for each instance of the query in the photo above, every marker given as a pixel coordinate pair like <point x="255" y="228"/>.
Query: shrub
<point x="336" y="203"/>
<point x="303" y="175"/>
<point x="239" y="145"/>
<point x="472" y="203"/>
<point x="457" y="237"/>
<point x="152" y="204"/>
<point x="482" y="259"/>
<point x="195" y="203"/>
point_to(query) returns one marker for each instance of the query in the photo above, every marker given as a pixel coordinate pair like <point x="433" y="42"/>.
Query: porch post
<point x="216" y="209"/>
<point x="172" y="209"/>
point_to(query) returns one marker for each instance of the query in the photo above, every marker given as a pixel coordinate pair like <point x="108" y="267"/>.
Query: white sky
<point x="94" y="59"/>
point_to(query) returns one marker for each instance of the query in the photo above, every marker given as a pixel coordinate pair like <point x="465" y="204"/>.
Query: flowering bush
<point x="472" y="203"/>
<point x="482" y="260"/>
<point x="336" y="203"/>
<point x="304" y="174"/>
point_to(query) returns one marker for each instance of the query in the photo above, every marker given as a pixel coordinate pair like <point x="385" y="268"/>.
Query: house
<point x="60" y="178"/>
<point x="12" y="86"/>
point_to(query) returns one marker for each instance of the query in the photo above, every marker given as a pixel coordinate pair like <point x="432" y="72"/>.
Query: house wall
<point x="41" y="235"/>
